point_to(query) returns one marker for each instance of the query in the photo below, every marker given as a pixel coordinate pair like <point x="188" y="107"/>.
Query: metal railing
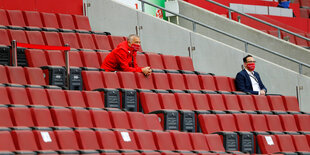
<point x="259" y="20"/>
<point x="246" y="43"/>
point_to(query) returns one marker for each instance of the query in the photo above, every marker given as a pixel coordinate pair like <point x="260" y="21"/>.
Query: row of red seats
<point x="75" y="40"/>
<point x="18" y="19"/>
<point x="257" y="123"/>
<point x="218" y="102"/>
<point x="284" y="144"/>
<point x="38" y="58"/>
<point x="162" y="81"/>
<point x="67" y="141"/>
<point x="42" y="116"/>
<point x="293" y="39"/>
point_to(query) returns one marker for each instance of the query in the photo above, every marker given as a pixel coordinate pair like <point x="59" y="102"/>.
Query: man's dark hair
<point x="244" y="59"/>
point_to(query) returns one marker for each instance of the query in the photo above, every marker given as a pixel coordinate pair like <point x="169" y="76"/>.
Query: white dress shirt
<point x="254" y="81"/>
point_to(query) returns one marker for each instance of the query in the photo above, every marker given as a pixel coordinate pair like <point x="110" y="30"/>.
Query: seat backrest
<point x="185" y="63"/>
<point x="149" y="101"/>
<point x="92" y="80"/>
<point x="259" y="122"/>
<point x="24" y="140"/>
<point x="268" y="144"/>
<point x="36" y="58"/>
<point x="142" y="60"/>
<point x="5" y="40"/>
<point x="176" y="81"/>
<point x="153" y="122"/>
<point x="62" y="117"/>
<point x="302" y="121"/>
<point x="291" y="103"/>
<point x="261" y="103"/>
<point x="35" y="76"/>
<point x="17" y="75"/>
<point x="101" y="119"/>
<point x="49" y="20"/>
<point x="75" y="59"/>
<point x="107" y="140"/>
<point x="4" y="20"/>
<point x="102" y="42"/>
<point x="18" y="96"/>
<point x="181" y="140"/>
<point x="33" y="18"/>
<point x="65" y="21"/>
<point x="232" y="83"/>
<point x="69" y="38"/>
<point x="56" y="58"/>
<point x="46" y="143"/>
<point x="6" y="141"/>
<point x="38" y="96"/>
<point x="168" y="101"/>
<point x="205" y="120"/>
<point x="119" y="119"/>
<point x="93" y="99"/>
<point x="145" y="140"/>
<point x="274" y="123"/>
<point x="276" y="103"/>
<point x="52" y="38"/>
<point x="4" y="76"/>
<point x="137" y="120"/>
<point x="144" y="82"/>
<point x="170" y="62"/>
<point x="286" y="143"/>
<point x="288" y="122"/>
<point x="115" y="40"/>
<point x="87" y="139"/>
<point x="222" y="83"/>
<point x="5" y="118"/>
<point x="110" y="80"/>
<point x="126" y="140"/>
<point x="18" y="35"/>
<point x="57" y="97"/>
<point x="243" y="122"/>
<point x="215" y="142"/>
<point x="185" y="101"/>
<point x="231" y="102"/>
<point x="227" y="122"/>
<point x="155" y="61"/>
<point x="192" y="81"/>
<point x="161" y="81"/>
<point x="201" y="101"/>
<point x="90" y="59"/>
<point x="42" y="117"/>
<point x="67" y="139"/>
<point x="81" y="22"/>
<point x="163" y="141"/>
<point x="246" y="102"/>
<point x="301" y="143"/>
<point x="199" y="141"/>
<point x="75" y="98"/>
<point x="35" y="37"/>
<point x="127" y="80"/>
<point x="86" y="41"/>
<point x="16" y="18"/>
<point x="216" y="102"/>
<point x="207" y="82"/>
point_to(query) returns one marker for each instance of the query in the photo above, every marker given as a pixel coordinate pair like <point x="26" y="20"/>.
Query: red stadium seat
<point x="304" y="3"/>
<point x="127" y="80"/>
<point x="207" y="119"/>
<point x="5" y="119"/>
<point x="227" y="122"/>
<point x="107" y="140"/>
<point x="65" y="21"/>
<point x="231" y="102"/>
<point x="170" y="62"/>
<point x="115" y="40"/>
<point x="163" y="141"/>
<point x="216" y="102"/>
<point x="149" y="102"/>
<point x="182" y="141"/>
<point x="18" y="35"/>
<point x="215" y="142"/>
<point x="21" y="116"/>
<point x="35" y="76"/>
<point x="137" y="120"/>
<point x="176" y="81"/>
<point x="291" y="103"/>
<point x="289" y="123"/>
<point x="274" y="123"/>
<point x="7" y="141"/>
<point x="161" y="81"/>
<point x="93" y="99"/>
<point x="90" y="59"/>
<point x="57" y="97"/>
<point x="201" y="101"/>
<point x="155" y="61"/>
<point x="268" y="144"/>
<point x="222" y="83"/>
<point x="259" y="122"/>
<point x="38" y="96"/>
<point x="81" y="22"/>
<point x="92" y="80"/>
<point x="67" y="139"/>
<point x="5" y="40"/>
<point x="110" y="80"/>
<point x="86" y="41"/>
<point x="32" y="18"/>
<point x="101" y="119"/>
<point x="276" y="103"/>
<point x="286" y="143"/>
<point x="185" y="63"/>
<point x="55" y="58"/>
<point x="70" y="39"/>
<point x="153" y="122"/>
<point x="142" y="60"/>
<point x="119" y="119"/>
<point x="24" y="140"/>
<point x="301" y="143"/>
<point x="36" y="58"/>
<point x="302" y="121"/>
<point x="49" y="20"/>
<point x="199" y="142"/>
<point x="42" y="117"/>
<point x="62" y="117"/>
<point x="102" y="42"/>
<point x="4" y="20"/>
<point x="75" y="59"/>
<point x="184" y="101"/>
<point x="87" y="139"/>
<point x="243" y="122"/>
<point x="145" y="140"/>
<point x="246" y="102"/>
<point x="18" y="96"/>
<point x="144" y="82"/>
<point x="207" y="82"/>
<point x="300" y="41"/>
<point x="261" y="103"/>
<point x="52" y="38"/>
<point x="16" y="18"/>
<point x="46" y="143"/>
<point x="17" y="75"/>
<point x="192" y="81"/>
<point x="75" y="98"/>
<point x="126" y="140"/>
<point x="4" y="77"/>
<point x="168" y="101"/>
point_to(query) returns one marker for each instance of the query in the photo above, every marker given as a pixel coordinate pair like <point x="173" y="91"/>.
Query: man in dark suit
<point x="248" y="80"/>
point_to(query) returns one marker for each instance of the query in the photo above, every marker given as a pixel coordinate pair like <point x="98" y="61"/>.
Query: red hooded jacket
<point x="122" y="58"/>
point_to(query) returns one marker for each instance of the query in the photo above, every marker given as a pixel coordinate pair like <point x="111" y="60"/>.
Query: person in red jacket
<point x="123" y="57"/>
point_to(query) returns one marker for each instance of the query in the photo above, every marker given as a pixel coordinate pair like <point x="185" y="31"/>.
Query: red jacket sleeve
<point x="122" y="58"/>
